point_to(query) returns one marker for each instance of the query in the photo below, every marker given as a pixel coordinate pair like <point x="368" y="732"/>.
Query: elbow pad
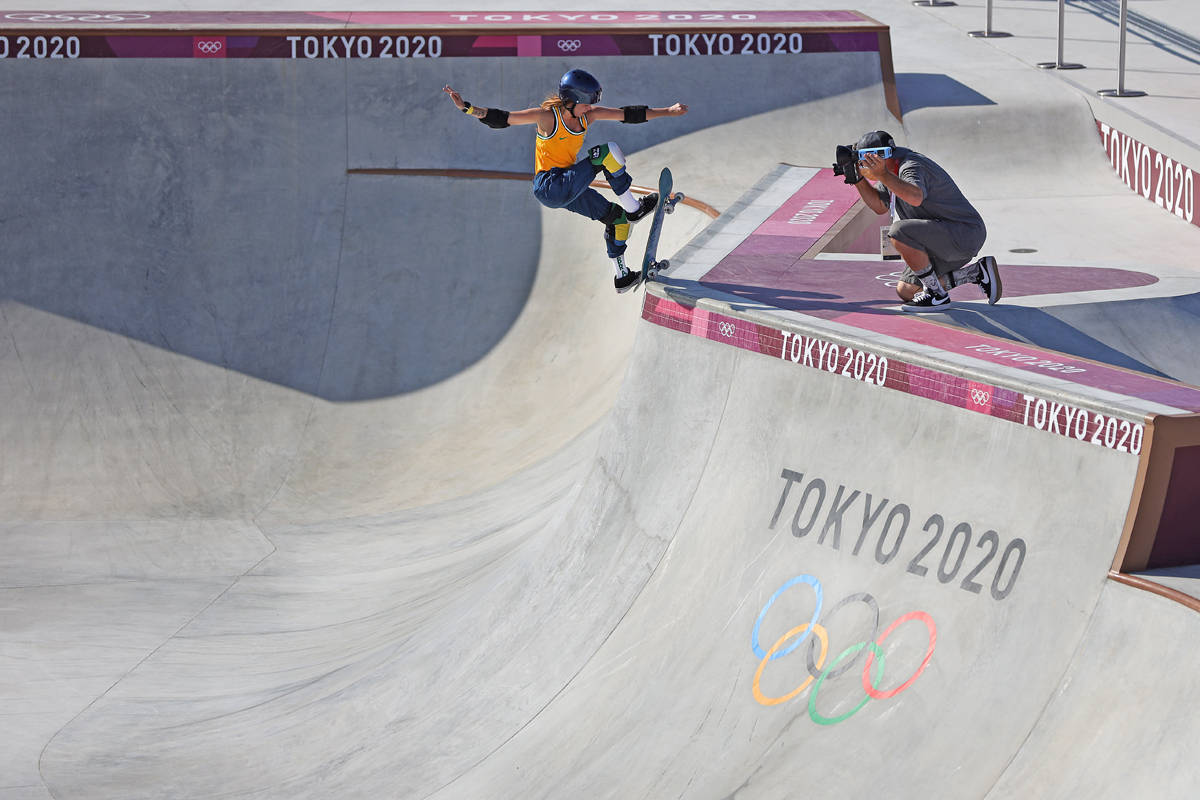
<point x="634" y="114"/>
<point x="495" y="118"/>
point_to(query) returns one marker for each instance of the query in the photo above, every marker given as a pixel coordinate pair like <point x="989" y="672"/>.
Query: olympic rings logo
<point x="819" y="670"/>
<point x="979" y="397"/>
<point x="209" y="47"/>
<point x="727" y="329"/>
<point x="31" y="17"/>
<point x="569" y="45"/>
<point x="891" y="279"/>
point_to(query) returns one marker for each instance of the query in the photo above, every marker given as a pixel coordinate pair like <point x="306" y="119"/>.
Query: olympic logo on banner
<point x="728" y="329"/>
<point x="979" y="397"/>
<point x="819" y="669"/>
<point x="209" y="46"/>
<point x="32" y="17"/>
<point x="569" y="45"/>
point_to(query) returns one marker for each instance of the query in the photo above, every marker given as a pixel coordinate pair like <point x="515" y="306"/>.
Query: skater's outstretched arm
<point x="630" y="113"/>
<point x="498" y="118"/>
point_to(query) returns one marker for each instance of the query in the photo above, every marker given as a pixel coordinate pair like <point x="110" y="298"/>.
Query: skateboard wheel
<point x="665" y="264"/>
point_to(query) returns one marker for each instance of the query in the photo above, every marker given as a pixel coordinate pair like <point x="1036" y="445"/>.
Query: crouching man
<point x="935" y="228"/>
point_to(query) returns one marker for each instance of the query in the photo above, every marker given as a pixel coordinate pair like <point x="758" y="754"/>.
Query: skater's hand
<point x="456" y="97"/>
<point x="677" y="110"/>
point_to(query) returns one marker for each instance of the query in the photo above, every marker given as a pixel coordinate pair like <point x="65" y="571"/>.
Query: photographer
<point x="935" y="229"/>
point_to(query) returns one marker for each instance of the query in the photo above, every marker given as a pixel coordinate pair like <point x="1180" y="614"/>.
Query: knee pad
<point x="616" y="224"/>
<point x="614" y="215"/>
<point x="607" y="157"/>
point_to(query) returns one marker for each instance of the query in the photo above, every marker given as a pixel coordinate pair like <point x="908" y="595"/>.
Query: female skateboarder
<point x="562" y="179"/>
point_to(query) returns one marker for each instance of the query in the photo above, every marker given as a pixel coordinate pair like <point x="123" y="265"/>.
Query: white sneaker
<point x="926" y="302"/>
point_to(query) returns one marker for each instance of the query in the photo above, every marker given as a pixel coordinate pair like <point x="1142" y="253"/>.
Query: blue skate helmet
<point x="578" y="86"/>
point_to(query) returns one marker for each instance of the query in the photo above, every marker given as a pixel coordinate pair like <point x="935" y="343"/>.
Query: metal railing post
<point x="1062" y="9"/>
<point x="1121" y="91"/>
<point x="987" y="32"/>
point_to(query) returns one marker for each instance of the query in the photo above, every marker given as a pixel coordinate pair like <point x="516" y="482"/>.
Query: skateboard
<point x="651" y="267"/>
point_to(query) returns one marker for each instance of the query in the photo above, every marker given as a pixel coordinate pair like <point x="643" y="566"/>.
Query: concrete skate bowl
<point x="302" y="467"/>
<point x="294" y="320"/>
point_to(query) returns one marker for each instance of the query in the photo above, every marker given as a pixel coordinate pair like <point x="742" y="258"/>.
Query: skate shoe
<point x="924" y="301"/>
<point x="645" y="206"/>
<point x="625" y="279"/>
<point x="623" y="283"/>
<point x="989" y="279"/>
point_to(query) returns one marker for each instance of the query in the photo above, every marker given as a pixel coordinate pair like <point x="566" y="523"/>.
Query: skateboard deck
<point x="651" y="266"/>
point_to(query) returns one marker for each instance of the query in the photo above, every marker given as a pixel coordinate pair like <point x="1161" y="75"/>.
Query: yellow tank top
<point x="561" y="147"/>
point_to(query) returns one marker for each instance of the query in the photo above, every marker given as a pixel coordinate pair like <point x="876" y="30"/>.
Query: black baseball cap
<point x="875" y="139"/>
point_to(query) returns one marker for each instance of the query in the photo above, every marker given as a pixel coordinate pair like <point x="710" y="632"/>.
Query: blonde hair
<point x="552" y="102"/>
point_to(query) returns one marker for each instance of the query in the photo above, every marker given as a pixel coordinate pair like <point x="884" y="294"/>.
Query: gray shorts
<point x="949" y="245"/>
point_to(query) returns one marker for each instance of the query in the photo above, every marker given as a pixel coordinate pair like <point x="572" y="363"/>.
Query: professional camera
<point x="847" y="159"/>
<point x="846" y="164"/>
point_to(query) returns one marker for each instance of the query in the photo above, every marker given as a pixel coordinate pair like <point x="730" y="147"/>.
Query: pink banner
<point x="1161" y="180"/>
<point x="865" y="365"/>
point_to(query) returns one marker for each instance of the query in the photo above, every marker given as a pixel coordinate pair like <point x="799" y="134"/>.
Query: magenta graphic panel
<point x="1162" y="180"/>
<point x="36" y="35"/>
<point x="811" y="352"/>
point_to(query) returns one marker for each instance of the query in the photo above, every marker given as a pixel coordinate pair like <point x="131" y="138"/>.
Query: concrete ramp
<point x="805" y="508"/>
<point x="324" y="484"/>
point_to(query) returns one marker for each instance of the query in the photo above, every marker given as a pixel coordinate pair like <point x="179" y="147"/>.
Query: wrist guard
<point x="495" y="118"/>
<point x="634" y="114"/>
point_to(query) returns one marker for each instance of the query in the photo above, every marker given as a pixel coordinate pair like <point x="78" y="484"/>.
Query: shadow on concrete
<point x="1155" y="335"/>
<point x="932" y="90"/>
<point x="226" y="228"/>
<point x="1042" y="328"/>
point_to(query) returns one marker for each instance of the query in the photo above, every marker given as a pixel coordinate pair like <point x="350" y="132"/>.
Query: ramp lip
<point x="537" y="22"/>
<point x="789" y="210"/>
<point x="1147" y="585"/>
<point x="929" y="357"/>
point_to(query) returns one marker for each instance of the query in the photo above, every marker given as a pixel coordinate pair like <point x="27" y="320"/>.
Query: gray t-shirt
<point x="943" y="199"/>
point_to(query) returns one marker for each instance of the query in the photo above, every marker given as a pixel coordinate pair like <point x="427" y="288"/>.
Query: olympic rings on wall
<point x="41" y="17"/>
<point x="569" y="45"/>
<point x="817" y="668"/>
<point x="727" y="329"/>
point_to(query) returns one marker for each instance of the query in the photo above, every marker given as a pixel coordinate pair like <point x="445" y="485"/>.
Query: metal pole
<point x="987" y="32"/>
<point x="934" y="3"/>
<point x="1062" y="16"/>
<point x="1120" y="91"/>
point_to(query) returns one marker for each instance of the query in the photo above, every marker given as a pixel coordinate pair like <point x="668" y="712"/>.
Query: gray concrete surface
<point x="300" y="502"/>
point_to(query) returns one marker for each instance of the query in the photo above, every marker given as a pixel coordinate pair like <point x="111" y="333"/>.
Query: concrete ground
<point x="329" y="485"/>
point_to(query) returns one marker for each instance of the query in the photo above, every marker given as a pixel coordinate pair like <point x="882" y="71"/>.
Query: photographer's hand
<point x="870" y="194"/>
<point x="875" y="168"/>
<point x="872" y="167"/>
